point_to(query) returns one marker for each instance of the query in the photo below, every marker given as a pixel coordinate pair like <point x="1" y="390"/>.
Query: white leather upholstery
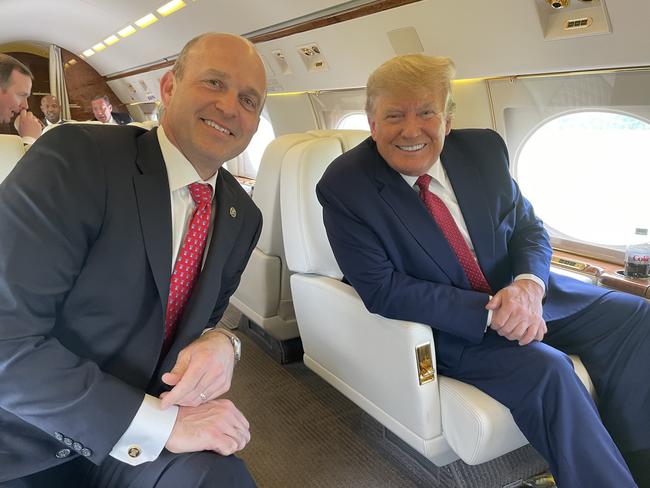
<point x="371" y="359"/>
<point x="11" y="150"/>
<point x="145" y="124"/>
<point x="264" y="294"/>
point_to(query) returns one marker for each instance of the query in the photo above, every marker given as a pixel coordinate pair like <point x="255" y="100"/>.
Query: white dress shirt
<point x="441" y="187"/>
<point x="151" y="426"/>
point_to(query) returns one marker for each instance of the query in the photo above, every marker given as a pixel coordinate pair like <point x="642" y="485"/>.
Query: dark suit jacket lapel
<point x="475" y="206"/>
<point x="408" y="208"/>
<point x="154" y="208"/>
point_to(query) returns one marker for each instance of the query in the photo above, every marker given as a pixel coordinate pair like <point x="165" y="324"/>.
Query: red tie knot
<point x="423" y="182"/>
<point x="201" y="193"/>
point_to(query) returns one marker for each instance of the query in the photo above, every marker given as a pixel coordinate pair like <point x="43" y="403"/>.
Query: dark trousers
<point x="192" y="470"/>
<point x="551" y="406"/>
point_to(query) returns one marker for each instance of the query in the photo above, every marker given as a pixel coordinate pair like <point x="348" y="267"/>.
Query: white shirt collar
<point x="180" y="171"/>
<point x="55" y="123"/>
<point x="437" y="172"/>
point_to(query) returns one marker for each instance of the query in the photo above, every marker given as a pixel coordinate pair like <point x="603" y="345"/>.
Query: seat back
<point x="264" y="294"/>
<point x="307" y="246"/>
<point x="11" y="150"/>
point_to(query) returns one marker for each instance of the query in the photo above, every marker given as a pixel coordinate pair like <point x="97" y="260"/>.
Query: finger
<point x="225" y="445"/>
<point x="501" y="317"/>
<point x="541" y="331"/>
<point x="515" y="329"/>
<point x="494" y="303"/>
<point x="240" y="434"/>
<point x="174" y="376"/>
<point x="186" y="390"/>
<point x="529" y="335"/>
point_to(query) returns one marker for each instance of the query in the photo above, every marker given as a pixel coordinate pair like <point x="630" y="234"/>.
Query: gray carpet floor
<point x="305" y="434"/>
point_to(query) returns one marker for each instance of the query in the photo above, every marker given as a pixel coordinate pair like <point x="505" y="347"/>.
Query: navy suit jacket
<point x="391" y="251"/>
<point x="85" y="265"/>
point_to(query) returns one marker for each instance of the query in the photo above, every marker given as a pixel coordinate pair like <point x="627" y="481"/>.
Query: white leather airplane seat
<point x="11" y="150"/>
<point x="264" y="294"/>
<point x="371" y="359"/>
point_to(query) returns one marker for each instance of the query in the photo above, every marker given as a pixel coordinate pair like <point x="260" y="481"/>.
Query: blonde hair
<point x="412" y="74"/>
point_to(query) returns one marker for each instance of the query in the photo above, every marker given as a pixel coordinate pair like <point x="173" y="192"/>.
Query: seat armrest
<point x="369" y="358"/>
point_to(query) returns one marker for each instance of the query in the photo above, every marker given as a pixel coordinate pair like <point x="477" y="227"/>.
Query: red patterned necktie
<point x="447" y="225"/>
<point x="189" y="259"/>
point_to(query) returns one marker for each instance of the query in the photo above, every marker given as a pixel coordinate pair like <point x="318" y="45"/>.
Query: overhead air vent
<point x="582" y="23"/>
<point x="576" y="19"/>
<point x="313" y="58"/>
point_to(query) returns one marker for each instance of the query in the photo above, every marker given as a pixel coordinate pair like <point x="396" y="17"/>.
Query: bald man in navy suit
<point x="428" y="226"/>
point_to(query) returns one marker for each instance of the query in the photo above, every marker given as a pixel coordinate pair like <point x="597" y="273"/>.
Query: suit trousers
<point x="191" y="470"/>
<point x="551" y="406"/>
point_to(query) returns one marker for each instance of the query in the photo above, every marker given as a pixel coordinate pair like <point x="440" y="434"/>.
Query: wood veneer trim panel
<point x="353" y="13"/>
<point x="326" y="20"/>
<point x="609" y="277"/>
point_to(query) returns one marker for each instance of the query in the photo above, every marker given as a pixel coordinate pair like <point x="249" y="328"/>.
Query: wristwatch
<point x="234" y="340"/>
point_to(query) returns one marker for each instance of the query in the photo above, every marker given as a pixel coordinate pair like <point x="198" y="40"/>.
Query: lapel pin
<point x="233" y="212"/>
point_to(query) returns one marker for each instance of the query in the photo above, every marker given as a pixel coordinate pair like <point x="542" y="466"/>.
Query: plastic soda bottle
<point x="637" y="257"/>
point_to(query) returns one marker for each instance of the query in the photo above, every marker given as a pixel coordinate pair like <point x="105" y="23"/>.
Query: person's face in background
<point x="14" y="99"/>
<point x="51" y="108"/>
<point x="102" y="110"/>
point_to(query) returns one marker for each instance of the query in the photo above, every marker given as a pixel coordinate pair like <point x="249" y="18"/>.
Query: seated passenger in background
<point x="15" y="88"/>
<point x="445" y="238"/>
<point x="52" y="110"/>
<point x="103" y="111"/>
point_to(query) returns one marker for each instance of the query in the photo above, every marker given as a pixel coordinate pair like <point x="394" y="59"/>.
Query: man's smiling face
<point x="212" y="110"/>
<point x="410" y="130"/>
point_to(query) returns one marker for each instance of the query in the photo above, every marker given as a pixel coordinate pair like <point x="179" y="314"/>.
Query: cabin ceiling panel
<point x="485" y="39"/>
<point x="77" y="25"/>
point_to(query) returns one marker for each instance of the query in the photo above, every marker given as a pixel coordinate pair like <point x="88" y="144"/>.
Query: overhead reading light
<point x="99" y="47"/>
<point x="88" y="53"/>
<point x="146" y="21"/>
<point x="171" y="7"/>
<point x="127" y="31"/>
<point x="558" y="3"/>
<point x="109" y="41"/>
<point x="72" y="61"/>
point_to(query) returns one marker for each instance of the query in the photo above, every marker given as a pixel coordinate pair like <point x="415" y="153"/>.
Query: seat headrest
<point x="306" y="245"/>
<point x="11" y="150"/>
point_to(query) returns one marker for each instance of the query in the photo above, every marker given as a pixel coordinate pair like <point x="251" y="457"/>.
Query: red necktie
<point x="190" y="256"/>
<point x="447" y="225"/>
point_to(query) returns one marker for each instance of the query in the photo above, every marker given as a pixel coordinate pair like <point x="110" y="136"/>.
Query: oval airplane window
<point x="587" y="175"/>
<point x="357" y="120"/>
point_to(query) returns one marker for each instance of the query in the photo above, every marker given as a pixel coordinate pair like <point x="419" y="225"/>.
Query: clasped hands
<point x="517" y="312"/>
<point x="205" y="422"/>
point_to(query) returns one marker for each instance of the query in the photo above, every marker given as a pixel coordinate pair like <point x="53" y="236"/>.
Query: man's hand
<point x="202" y="372"/>
<point x="28" y="125"/>
<point x="517" y="312"/>
<point x="216" y="426"/>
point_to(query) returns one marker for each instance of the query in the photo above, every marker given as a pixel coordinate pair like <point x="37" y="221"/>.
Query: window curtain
<point x="57" y="81"/>
<point x="331" y="106"/>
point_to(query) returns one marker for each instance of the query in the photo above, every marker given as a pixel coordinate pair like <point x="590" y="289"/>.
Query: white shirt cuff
<point x="532" y="277"/>
<point x="148" y="433"/>
<point x="28" y="141"/>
